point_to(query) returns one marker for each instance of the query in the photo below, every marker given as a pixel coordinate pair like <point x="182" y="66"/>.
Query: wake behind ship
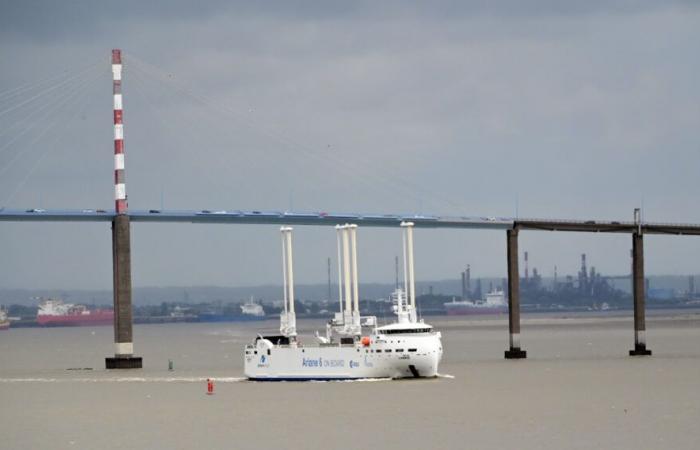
<point x="53" y="312"/>
<point x="407" y="347"/>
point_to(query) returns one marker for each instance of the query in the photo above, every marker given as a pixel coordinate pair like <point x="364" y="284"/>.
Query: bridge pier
<point x="640" y="344"/>
<point x="514" y="352"/>
<point x="121" y="269"/>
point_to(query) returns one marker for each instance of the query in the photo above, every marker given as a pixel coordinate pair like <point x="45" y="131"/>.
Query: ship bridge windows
<point x="406" y="331"/>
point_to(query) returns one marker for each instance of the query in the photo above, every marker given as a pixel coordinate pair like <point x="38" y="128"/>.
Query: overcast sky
<point x="543" y="108"/>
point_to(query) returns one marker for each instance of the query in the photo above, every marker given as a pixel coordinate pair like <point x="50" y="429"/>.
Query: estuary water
<point x="577" y="389"/>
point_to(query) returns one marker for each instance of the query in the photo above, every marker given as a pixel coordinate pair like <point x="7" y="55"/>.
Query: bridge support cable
<point x="74" y="98"/>
<point x="356" y="168"/>
<point x="43" y="112"/>
<point x="13" y="123"/>
<point x="514" y="351"/>
<point x="8" y="94"/>
<point x="47" y="90"/>
<point x="46" y="149"/>
<point x="179" y="124"/>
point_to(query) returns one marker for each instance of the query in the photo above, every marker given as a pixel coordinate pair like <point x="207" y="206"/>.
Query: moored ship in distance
<point x="53" y="312"/>
<point x="495" y="303"/>
<point x="250" y="311"/>
<point x="4" y="321"/>
<point x="408" y="347"/>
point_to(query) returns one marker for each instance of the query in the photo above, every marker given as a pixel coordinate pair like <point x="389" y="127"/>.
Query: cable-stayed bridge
<point x="121" y="216"/>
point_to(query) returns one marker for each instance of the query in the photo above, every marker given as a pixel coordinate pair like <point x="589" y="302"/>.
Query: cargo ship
<point x="4" y="321"/>
<point x="54" y="312"/>
<point x="495" y="303"/>
<point x="406" y="348"/>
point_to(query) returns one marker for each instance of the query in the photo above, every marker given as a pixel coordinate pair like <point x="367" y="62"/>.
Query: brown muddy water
<point x="577" y="389"/>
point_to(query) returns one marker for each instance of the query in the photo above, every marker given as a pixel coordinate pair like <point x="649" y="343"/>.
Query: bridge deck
<point x="332" y="219"/>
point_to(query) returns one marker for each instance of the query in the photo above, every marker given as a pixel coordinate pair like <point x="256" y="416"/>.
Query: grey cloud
<point x="47" y="19"/>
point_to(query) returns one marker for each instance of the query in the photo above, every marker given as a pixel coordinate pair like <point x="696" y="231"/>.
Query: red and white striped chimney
<point x="119" y="181"/>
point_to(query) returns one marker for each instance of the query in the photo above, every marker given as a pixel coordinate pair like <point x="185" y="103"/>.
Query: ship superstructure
<point x="353" y="346"/>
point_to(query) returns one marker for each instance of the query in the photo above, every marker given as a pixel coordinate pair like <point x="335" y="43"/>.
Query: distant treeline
<point x="155" y="296"/>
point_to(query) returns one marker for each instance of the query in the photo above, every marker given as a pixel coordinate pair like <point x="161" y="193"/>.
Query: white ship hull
<point x="405" y="348"/>
<point x="395" y="357"/>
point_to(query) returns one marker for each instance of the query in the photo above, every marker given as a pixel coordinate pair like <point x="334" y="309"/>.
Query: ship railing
<point x="314" y="344"/>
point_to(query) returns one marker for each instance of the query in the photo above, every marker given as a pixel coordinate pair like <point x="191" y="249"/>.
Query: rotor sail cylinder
<point x="288" y="319"/>
<point x="346" y="270"/>
<point x="355" y="282"/>
<point x="339" y="238"/>
<point x="408" y="258"/>
<point x="290" y="270"/>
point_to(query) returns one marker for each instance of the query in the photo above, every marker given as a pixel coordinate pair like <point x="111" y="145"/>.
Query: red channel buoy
<point x="210" y="387"/>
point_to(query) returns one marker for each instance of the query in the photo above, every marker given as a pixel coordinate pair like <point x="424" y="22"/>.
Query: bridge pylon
<point x="121" y="241"/>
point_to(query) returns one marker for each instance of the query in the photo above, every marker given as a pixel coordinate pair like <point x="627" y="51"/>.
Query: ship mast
<point x="340" y="264"/>
<point x="409" y="273"/>
<point x="347" y="321"/>
<point x="352" y="230"/>
<point x="288" y="317"/>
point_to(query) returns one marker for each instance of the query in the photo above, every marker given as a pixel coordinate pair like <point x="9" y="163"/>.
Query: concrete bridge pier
<point x="514" y="352"/>
<point x="640" y="344"/>
<point x="121" y="265"/>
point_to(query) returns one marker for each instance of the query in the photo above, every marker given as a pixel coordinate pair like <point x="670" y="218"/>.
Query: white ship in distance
<point x="252" y="309"/>
<point x="495" y="303"/>
<point x="354" y="346"/>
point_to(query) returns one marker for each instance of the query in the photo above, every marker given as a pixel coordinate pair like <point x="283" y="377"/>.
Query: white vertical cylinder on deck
<point x="411" y="270"/>
<point x="346" y="270"/>
<point x="355" y="282"/>
<point x="284" y="267"/>
<point x="290" y="266"/>
<point x="405" y="265"/>
<point x="338" y="233"/>
<point x="408" y="226"/>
